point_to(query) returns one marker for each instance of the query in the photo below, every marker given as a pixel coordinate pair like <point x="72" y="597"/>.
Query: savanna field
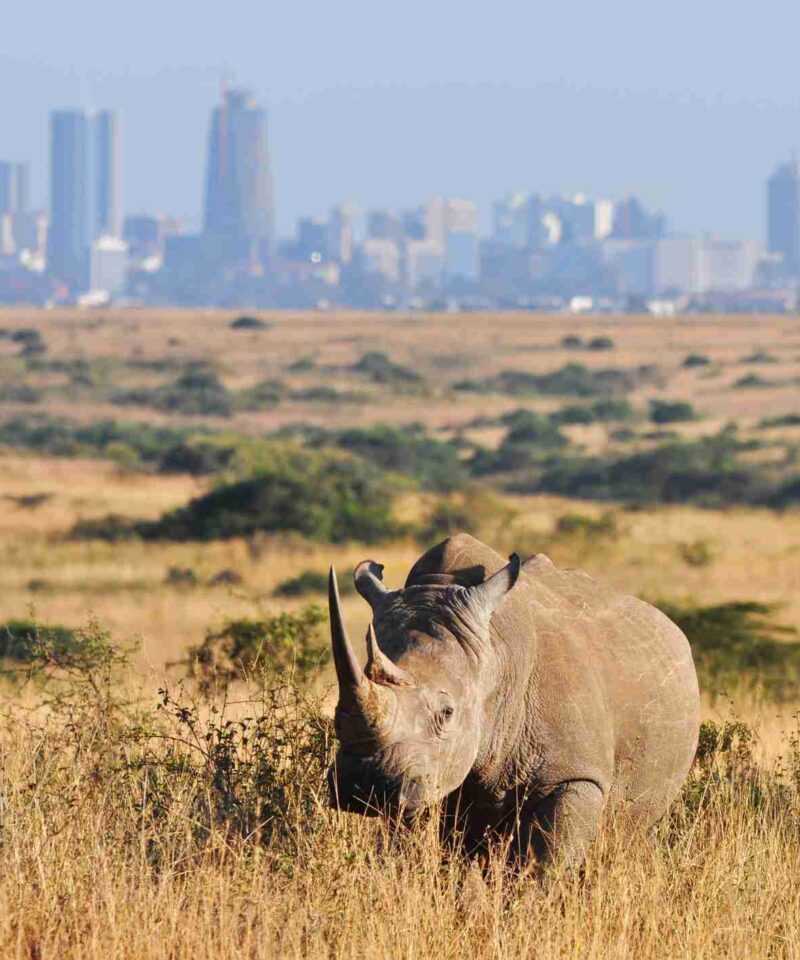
<point x="173" y="488"/>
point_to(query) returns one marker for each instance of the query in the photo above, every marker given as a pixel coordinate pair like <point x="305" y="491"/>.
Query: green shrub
<point x="572" y="342"/>
<point x="578" y="525"/>
<point x="24" y="640"/>
<point x="322" y="495"/>
<point x="696" y="360"/>
<point x="697" y="553"/>
<point x="787" y="420"/>
<point x="325" y="394"/>
<point x="527" y="426"/>
<point x="677" y="411"/>
<point x="310" y="581"/>
<point x="250" y="323"/>
<point x="760" y="356"/>
<point x="752" y="380"/>
<point x="19" y="393"/>
<point x="379" y="368"/>
<point x="197" y="391"/>
<point x="738" y="642"/>
<point x="259" y="648"/>
<point x="302" y="365"/>
<point x="433" y="463"/>
<point x="181" y="577"/>
<point x="266" y="394"/>
<point x="574" y="379"/>
<point x="600" y="343"/>
<point x="706" y="472"/>
<point x="601" y="411"/>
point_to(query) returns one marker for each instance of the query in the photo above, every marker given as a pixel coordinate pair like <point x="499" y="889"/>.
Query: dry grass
<point x="101" y="860"/>
<point x="442" y="348"/>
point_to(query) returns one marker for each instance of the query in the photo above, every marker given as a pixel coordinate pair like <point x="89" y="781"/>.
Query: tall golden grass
<point x="120" y="842"/>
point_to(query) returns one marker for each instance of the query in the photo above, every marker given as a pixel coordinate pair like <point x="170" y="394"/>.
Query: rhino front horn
<point x="348" y="671"/>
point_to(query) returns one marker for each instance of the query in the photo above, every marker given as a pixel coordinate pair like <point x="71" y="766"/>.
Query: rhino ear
<point x="369" y="582"/>
<point x="485" y="597"/>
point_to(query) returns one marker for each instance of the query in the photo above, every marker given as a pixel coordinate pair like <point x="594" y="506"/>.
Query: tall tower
<point x="238" y="201"/>
<point x="783" y="215"/>
<point x="108" y="175"/>
<point x="70" y="228"/>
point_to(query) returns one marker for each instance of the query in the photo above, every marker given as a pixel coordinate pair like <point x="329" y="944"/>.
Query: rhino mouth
<point x="357" y="785"/>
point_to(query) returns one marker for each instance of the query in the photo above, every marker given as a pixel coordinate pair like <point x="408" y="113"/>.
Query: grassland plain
<point x="125" y="833"/>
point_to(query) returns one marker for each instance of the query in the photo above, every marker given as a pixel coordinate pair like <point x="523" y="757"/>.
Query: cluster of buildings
<point x="571" y="253"/>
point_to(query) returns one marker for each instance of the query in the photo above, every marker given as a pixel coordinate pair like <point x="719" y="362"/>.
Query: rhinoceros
<point x="523" y="699"/>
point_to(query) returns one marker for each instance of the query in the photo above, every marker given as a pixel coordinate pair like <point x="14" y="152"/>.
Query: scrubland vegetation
<point x="172" y="491"/>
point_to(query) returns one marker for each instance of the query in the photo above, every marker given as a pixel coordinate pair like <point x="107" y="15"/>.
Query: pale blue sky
<point x="689" y="103"/>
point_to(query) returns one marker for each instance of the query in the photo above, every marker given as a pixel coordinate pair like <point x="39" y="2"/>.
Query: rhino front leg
<point x="564" y="824"/>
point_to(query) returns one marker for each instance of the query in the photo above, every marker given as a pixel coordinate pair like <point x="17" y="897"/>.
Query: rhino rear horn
<point x="380" y="668"/>
<point x="485" y="597"/>
<point x="368" y="577"/>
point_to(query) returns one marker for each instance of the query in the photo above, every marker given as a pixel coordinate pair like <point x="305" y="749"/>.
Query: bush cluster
<point x="573" y="379"/>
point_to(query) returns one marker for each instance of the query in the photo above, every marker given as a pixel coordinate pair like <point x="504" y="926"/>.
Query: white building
<point x="381" y="256"/>
<point x="108" y="266"/>
<point x="425" y="261"/>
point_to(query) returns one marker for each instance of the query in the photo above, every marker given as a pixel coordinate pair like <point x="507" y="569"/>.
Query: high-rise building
<point x="783" y="216"/>
<point x="107" y="175"/>
<point x="633" y="222"/>
<point x="70" y="227"/>
<point x="14" y="191"/>
<point x="238" y="203"/>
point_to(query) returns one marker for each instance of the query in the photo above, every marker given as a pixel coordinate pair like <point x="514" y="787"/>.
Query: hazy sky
<point x="689" y="103"/>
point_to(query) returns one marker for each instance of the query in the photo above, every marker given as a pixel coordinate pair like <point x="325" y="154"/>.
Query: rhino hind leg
<point x="563" y="825"/>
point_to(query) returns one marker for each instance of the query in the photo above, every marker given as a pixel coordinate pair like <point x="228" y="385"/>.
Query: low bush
<point x="325" y="394"/>
<point x="671" y="411"/>
<point x="574" y="379"/>
<point x="601" y="411"/>
<point x="752" y="380"/>
<point x="323" y="495"/>
<point x="696" y="360"/>
<point x="434" y="464"/>
<point x="379" y="368"/>
<point x="19" y="393"/>
<point x="23" y="641"/>
<point x="600" y="343"/>
<point x="579" y="525"/>
<point x="310" y="581"/>
<point x="302" y="365"/>
<point x="706" y="472"/>
<point x="250" y="323"/>
<point x="740" y="643"/>
<point x="258" y="648"/>
<point x="787" y="420"/>
<point x="760" y="356"/>
<point x="197" y="391"/>
<point x="266" y="394"/>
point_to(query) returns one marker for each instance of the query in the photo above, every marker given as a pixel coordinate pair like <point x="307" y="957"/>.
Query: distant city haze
<point x="688" y="105"/>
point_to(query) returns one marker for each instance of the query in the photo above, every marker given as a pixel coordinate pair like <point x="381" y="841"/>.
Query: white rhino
<point x="527" y="698"/>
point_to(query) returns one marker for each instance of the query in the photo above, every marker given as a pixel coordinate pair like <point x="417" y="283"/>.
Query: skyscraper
<point x="70" y="227"/>
<point x="238" y="202"/>
<point x="14" y="194"/>
<point x="108" y="175"/>
<point x="783" y="216"/>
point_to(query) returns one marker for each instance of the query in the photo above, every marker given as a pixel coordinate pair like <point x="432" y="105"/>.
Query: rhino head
<point x="412" y="722"/>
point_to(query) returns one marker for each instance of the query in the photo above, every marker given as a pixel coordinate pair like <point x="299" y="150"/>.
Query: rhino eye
<point x="443" y="716"/>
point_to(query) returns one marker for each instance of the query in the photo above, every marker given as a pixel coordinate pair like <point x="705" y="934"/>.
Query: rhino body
<point x="528" y="699"/>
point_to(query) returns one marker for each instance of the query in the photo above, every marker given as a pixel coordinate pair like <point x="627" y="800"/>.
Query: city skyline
<point x="542" y="248"/>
